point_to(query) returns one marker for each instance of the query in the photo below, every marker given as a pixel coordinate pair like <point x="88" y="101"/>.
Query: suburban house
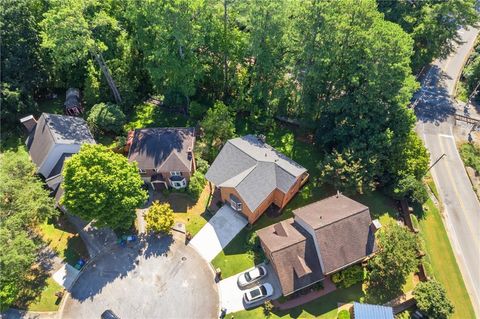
<point x="52" y="139"/>
<point x="253" y="177"/>
<point x="322" y="238"/>
<point x="164" y="155"/>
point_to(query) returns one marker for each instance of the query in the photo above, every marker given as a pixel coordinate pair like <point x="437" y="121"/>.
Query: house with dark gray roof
<point x="322" y="238"/>
<point x="252" y="176"/>
<point x="164" y="156"/>
<point x="51" y="140"/>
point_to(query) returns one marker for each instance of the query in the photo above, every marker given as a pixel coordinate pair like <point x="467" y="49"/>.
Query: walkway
<point x="328" y="287"/>
<point x="218" y="232"/>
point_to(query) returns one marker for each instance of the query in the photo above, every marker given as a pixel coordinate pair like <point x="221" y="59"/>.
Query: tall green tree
<point x="354" y="68"/>
<point x="22" y="64"/>
<point x="395" y="259"/>
<point x="433" y="25"/>
<point x="24" y="203"/>
<point x="102" y="186"/>
<point x="159" y="218"/>
<point x="218" y="126"/>
<point x="432" y="300"/>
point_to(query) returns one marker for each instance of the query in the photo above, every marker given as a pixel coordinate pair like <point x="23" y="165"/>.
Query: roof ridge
<point x="345" y="217"/>
<point x="46" y="118"/>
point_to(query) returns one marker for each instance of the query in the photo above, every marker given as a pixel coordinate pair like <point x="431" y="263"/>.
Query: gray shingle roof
<point x="254" y="169"/>
<point x="56" y="129"/>
<point x="164" y="149"/>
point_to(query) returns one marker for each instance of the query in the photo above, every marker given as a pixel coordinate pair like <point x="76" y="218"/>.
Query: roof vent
<point x="280" y="229"/>
<point x="338" y="194"/>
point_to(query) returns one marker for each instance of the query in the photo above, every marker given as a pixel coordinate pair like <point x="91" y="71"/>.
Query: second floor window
<point x="176" y="173"/>
<point x="142" y="171"/>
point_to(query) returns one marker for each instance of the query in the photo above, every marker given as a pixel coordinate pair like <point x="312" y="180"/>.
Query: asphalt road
<point x="434" y="109"/>
<point x="170" y="281"/>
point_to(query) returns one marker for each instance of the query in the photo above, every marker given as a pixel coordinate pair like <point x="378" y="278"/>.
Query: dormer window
<point x="176" y="173"/>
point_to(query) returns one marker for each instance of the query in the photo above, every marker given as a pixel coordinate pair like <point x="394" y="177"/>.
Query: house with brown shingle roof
<point x="322" y="238"/>
<point x="164" y="155"/>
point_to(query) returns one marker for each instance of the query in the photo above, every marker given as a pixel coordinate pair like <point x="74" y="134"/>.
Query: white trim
<point x="175" y="173"/>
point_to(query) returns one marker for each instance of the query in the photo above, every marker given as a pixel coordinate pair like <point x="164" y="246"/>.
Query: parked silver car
<point x="258" y="293"/>
<point x="251" y="276"/>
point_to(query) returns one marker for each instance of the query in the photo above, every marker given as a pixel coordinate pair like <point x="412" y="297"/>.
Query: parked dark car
<point x="108" y="314"/>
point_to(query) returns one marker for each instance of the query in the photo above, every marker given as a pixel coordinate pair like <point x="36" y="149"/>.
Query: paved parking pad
<point x="218" y="232"/>
<point x="231" y="296"/>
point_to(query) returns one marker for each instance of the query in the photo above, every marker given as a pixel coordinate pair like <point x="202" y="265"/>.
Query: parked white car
<point x="258" y="293"/>
<point x="251" y="276"/>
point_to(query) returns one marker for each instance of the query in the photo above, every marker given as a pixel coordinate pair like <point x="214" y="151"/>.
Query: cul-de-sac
<point x="240" y="159"/>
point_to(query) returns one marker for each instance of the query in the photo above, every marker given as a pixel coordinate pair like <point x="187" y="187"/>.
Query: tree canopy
<point x="24" y="203"/>
<point x="432" y="300"/>
<point x="102" y="186"/>
<point x="395" y="259"/>
<point x="106" y="117"/>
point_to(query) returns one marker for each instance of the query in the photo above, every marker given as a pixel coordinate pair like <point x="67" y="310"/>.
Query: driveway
<point x="218" y="232"/>
<point x="231" y="296"/>
<point x="170" y="281"/>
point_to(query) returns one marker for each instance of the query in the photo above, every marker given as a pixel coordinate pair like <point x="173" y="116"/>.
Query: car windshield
<point x="247" y="276"/>
<point x="261" y="271"/>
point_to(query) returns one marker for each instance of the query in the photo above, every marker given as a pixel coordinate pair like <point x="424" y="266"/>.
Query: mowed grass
<point x="47" y="300"/>
<point x="324" y="307"/>
<point x="62" y="238"/>
<point x="442" y="259"/>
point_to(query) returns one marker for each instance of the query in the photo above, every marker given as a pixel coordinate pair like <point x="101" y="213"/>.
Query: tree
<point x="412" y="189"/>
<point x="356" y="98"/>
<point x="159" y="218"/>
<point x="432" y="299"/>
<point x="22" y="62"/>
<point x="395" y="259"/>
<point x="24" y="203"/>
<point x="106" y="117"/>
<point x="433" y="25"/>
<point x="196" y="184"/>
<point x="102" y="186"/>
<point x="218" y="126"/>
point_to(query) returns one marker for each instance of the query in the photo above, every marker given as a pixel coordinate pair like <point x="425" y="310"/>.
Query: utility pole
<point x="438" y="160"/>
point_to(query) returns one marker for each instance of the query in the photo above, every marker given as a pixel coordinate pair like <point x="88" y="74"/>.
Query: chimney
<point x="338" y="194"/>
<point x="189" y="153"/>
<point x="375" y="225"/>
<point x="128" y="144"/>
<point x="280" y="229"/>
<point x="29" y="122"/>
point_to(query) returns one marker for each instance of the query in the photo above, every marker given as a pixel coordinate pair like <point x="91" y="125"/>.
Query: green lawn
<point x="324" y="307"/>
<point x="62" y="238"/>
<point x="47" y="300"/>
<point x="150" y="115"/>
<point x="444" y="265"/>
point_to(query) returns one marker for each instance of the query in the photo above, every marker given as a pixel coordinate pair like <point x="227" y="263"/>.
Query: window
<point x="179" y="184"/>
<point x="176" y="173"/>
<point x="142" y="171"/>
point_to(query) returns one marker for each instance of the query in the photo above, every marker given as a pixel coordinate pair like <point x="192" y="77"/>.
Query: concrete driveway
<point x="231" y="296"/>
<point x="170" y="281"/>
<point x="218" y="232"/>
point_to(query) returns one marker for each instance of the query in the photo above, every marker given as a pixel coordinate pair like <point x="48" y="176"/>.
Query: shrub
<point x="344" y="314"/>
<point x="349" y="276"/>
<point x="202" y="165"/>
<point x="471" y="155"/>
<point x="411" y="188"/>
<point x="159" y="218"/>
<point x="106" y="117"/>
<point x="432" y="299"/>
<point x="267" y="308"/>
<point x="196" y="185"/>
